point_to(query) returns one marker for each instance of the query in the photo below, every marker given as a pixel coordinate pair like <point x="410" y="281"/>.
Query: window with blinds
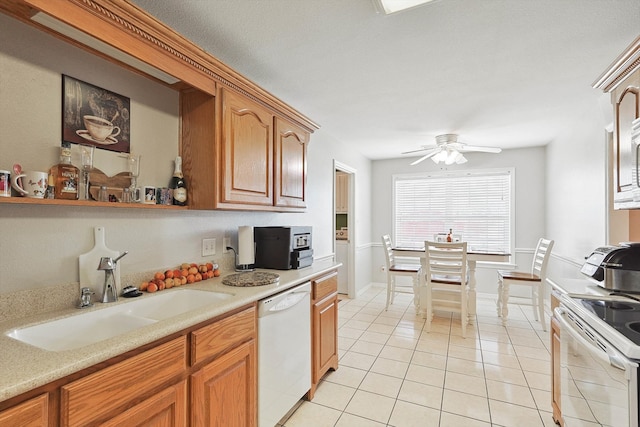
<point x="474" y="204"/>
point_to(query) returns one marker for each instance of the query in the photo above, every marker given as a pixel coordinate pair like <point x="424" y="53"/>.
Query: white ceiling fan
<point x="449" y="150"/>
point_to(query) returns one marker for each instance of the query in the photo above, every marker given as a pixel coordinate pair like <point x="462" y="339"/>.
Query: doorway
<point x="344" y="226"/>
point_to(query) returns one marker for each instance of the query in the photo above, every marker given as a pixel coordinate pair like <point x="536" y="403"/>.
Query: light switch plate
<point x="208" y="247"/>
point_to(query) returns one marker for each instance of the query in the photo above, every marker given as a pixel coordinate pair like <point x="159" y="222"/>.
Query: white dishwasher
<point x="284" y="352"/>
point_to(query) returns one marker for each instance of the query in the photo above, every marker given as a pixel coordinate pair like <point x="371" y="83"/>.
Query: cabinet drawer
<point x="223" y="335"/>
<point x="104" y="393"/>
<point x="32" y="413"/>
<point x="325" y="285"/>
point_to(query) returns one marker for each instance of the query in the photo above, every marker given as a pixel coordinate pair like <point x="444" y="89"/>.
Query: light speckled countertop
<point x="575" y="286"/>
<point x="25" y="367"/>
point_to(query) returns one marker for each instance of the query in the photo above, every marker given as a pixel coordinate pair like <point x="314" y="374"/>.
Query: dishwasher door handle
<point x="289" y="301"/>
<point x="284" y="301"/>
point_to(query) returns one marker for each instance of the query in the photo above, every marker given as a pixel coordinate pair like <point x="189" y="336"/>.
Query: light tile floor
<point x="394" y="373"/>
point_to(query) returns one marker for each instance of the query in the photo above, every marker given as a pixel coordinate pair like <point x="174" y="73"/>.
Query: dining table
<point x="474" y="255"/>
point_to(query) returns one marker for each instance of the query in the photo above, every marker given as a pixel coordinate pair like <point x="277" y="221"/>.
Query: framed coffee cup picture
<point x="95" y="116"/>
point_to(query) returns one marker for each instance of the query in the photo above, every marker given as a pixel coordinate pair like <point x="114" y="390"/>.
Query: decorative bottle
<point x="65" y="175"/>
<point x="178" y="185"/>
<point x="449" y="236"/>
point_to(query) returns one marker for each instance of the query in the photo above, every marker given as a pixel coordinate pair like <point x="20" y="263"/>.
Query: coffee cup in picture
<point x="99" y="128"/>
<point x="34" y="184"/>
<point x="5" y="183"/>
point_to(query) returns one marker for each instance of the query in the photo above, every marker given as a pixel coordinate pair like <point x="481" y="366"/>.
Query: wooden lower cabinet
<point x="224" y="392"/>
<point x="160" y="385"/>
<point x="32" y="413"/>
<point x="167" y="408"/>
<point x="324" y="326"/>
<point x="555" y="371"/>
<point x="555" y="363"/>
<point x="100" y="396"/>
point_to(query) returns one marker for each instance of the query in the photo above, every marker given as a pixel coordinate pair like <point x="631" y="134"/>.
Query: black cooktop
<point x="624" y="316"/>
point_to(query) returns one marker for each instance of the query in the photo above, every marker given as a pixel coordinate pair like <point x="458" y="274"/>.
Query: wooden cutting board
<point x="90" y="276"/>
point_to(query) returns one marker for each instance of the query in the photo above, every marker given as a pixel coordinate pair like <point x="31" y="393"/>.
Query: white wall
<point x="39" y="245"/>
<point x="576" y="198"/>
<point x="529" y="192"/>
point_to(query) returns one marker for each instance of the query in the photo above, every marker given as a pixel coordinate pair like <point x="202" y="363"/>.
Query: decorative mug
<point x="99" y="128"/>
<point x="34" y="183"/>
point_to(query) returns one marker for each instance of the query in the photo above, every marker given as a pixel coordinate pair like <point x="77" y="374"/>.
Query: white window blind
<point x="476" y="205"/>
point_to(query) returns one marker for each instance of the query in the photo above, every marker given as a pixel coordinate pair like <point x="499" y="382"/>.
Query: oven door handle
<point x="608" y="355"/>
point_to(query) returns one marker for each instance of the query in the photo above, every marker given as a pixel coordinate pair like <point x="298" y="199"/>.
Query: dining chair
<point x="534" y="278"/>
<point x="446" y="280"/>
<point x="398" y="270"/>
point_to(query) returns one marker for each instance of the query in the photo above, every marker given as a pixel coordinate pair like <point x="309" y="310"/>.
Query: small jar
<point x="103" y="194"/>
<point x="126" y="195"/>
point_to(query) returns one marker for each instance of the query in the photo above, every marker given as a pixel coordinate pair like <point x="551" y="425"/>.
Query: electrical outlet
<point x="208" y="247"/>
<point x="226" y="242"/>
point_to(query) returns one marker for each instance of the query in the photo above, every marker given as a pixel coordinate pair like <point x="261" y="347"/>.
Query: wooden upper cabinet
<point x="228" y="123"/>
<point x="622" y="81"/>
<point x="247" y="151"/>
<point x="290" y="165"/>
<point x="627" y="109"/>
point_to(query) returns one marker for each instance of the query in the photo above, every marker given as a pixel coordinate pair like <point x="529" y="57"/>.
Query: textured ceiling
<point x="508" y="73"/>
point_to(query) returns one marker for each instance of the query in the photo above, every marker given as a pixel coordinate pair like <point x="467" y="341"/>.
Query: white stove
<point x="599" y="354"/>
<point x="615" y="317"/>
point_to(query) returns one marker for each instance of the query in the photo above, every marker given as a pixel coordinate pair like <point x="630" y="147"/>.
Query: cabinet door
<point x="324" y="341"/>
<point x="290" y="165"/>
<point x="167" y="408"/>
<point x="627" y="109"/>
<point x="247" y="151"/>
<point x="106" y="393"/>
<point x="342" y="193"/>
<point x="32" y="413"/>
<point x="224" y="392"/>
<point x="555" y="370"/>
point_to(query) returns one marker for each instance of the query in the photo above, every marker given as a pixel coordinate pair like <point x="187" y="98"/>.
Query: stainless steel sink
<point x="95" y="326"/>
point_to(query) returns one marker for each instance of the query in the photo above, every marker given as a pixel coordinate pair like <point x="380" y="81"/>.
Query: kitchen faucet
<point x="109" y="290"/>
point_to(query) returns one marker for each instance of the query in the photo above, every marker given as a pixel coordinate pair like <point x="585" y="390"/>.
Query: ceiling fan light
<point x="460" y="159"/>
<point x="452" y="156"/>
<point x="440" y="157"/>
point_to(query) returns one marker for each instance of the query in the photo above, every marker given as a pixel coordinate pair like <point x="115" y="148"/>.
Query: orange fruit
<point x="168" y="274"/>
<point x="216" y="273"/>
<point x="177" y="273"/>
<point x="143" y="286"/>
<point x="152" y="287"/>
<point x="191" y="278"/>
<point x="159" y="275"/>
<point x="193" y="270"/>
<point x="161" y="285"/>
<point x="209" y="266"/>
<point x="198" y="277"/>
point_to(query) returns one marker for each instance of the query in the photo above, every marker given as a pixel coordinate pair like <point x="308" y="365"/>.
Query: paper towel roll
<point x="246" y="247"/>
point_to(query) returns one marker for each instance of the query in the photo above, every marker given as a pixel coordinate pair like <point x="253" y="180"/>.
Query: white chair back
<point x="446" y="261"/>
<point x="541" y="258"/>
<point x="388" y="251"/>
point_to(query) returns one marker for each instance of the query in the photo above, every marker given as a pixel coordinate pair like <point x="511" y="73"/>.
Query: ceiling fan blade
<point x="424" y="148"/>
<point x="470" y="148"/>
<point x="426" y="156"/>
